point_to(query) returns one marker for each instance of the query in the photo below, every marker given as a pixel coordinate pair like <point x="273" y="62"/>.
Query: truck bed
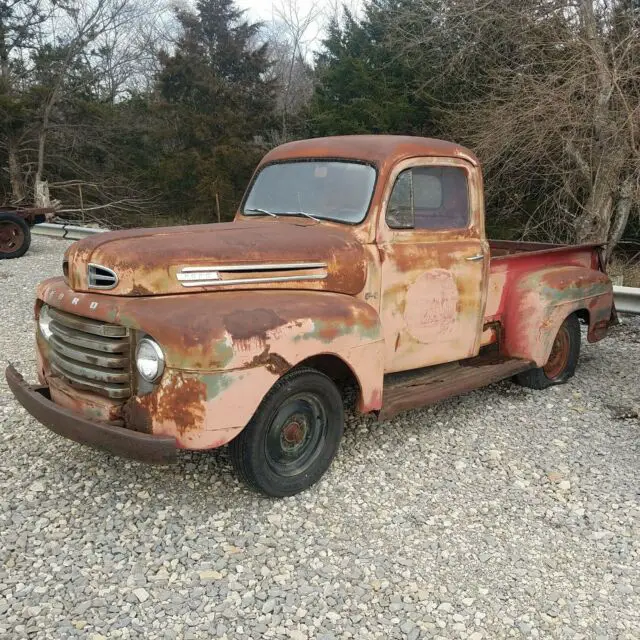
<point x="511" y="249"/>
<point x="511" y="261"/>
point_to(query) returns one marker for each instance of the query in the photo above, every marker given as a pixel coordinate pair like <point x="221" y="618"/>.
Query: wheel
<point x="562" y="361"/>
<point x="15" y="236"/>
<point x="293" y="437"/>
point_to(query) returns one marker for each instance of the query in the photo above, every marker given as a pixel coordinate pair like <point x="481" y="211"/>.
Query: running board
<point x="420" y="387"/>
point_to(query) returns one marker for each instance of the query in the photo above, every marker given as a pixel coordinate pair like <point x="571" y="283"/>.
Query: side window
<point x="429" y="198"/>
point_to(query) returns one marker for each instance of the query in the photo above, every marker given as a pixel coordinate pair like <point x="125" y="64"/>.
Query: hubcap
<point x="296" y="435"/>
<point x="293" y="434"/>
<point x="559" y="355"/>
<point x="11" y="237"/>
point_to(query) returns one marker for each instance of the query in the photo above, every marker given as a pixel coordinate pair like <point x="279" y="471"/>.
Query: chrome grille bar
<point x="94" y="327"/>
<point x="90" y="354"/>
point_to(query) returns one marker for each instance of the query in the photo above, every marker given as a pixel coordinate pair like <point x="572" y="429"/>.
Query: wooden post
<point x="218" y="206"/>
<point x="81" y="202"/>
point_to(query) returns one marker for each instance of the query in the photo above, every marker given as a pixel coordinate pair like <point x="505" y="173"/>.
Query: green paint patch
<point x="223" y="353"/>
<point x="92" y="412"/>
<point x="216" y="383"/>
<point x="574" y="292"/>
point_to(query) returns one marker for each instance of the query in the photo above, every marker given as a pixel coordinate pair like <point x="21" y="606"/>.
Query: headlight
<point x="149" y="359"/>
<point x="44" y="322"/>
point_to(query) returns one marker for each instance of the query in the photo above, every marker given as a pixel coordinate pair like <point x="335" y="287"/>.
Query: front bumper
<point x="119" y="441"/>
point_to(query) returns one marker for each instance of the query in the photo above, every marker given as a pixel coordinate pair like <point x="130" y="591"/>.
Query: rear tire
<point x="15" y="236"/>
<point x="293" y="437"/>
<point x="562" y="362"/>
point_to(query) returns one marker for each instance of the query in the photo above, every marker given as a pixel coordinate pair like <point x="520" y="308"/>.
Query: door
<point x="434" y="260"/>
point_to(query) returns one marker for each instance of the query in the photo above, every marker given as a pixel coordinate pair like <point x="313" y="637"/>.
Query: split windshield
<point x="334" y="190"/>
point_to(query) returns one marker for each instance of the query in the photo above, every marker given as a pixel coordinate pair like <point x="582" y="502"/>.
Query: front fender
<point x="246" y="344"/>
<point x="225" y="350"/>
<point x="539" y="303"/>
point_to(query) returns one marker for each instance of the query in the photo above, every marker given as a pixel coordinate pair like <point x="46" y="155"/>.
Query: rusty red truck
<point x="358" y="259"/>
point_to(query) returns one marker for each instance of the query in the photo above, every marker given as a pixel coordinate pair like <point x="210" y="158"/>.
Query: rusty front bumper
<point x="100" y="435"/>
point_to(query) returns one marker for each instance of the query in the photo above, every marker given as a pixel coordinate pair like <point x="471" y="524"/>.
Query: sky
<point x="262" y="9"/>
<point x="266" y="11"/>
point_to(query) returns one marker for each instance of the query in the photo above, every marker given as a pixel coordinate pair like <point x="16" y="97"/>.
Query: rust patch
<point x="272" y="362"/>
<point x="328" y="332"/>
<point x="140" y="290"/>
<point x="379" y="150"/>
<point x="137" y="416"/>
<point x="181" y="401"/>
<point x="245" y="325"/>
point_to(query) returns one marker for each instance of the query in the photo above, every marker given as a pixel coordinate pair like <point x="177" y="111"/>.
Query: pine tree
<point x="363" y="85"/>
<point x="216" y="100"/>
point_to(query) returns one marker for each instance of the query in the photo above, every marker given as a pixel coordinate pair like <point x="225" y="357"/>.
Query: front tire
<point x="563" y="359"/>
<point x="293" y="437"/>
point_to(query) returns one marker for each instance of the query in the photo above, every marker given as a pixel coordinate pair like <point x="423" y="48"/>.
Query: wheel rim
<point x="11" y="236"/>
<point x="296" y="434"/>
<point x="559" y="357"/>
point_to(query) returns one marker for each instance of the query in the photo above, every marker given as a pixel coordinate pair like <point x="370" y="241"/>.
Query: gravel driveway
<point x="504" y="513"/>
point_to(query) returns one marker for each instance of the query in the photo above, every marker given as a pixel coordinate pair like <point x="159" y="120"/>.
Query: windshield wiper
<point x="268" y="213"/>
<point x="300" y="213"/>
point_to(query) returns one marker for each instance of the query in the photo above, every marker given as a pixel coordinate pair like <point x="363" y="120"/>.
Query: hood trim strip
<point x="208" y="283"/>
<point x="257" y="267"/>
<point x="210" y="276"/>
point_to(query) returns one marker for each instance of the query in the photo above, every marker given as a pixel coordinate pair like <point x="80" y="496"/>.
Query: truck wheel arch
<point x="335" y="368"/>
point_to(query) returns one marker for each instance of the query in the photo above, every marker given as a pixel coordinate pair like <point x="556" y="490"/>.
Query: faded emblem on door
<point x="431" y="309"/>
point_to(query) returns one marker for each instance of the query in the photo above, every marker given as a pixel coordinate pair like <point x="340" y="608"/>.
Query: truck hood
<point x="265" y="254"/>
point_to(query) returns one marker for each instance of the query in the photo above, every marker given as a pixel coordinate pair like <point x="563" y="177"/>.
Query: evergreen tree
<point x="363" y="85"/>
<point x="216" y="100"/>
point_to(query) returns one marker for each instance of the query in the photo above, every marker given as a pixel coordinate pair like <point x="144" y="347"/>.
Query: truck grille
<point x="91" y="355"/>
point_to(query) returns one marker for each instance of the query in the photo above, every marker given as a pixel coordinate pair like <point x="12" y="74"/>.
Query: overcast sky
<point x="263" y="9"/>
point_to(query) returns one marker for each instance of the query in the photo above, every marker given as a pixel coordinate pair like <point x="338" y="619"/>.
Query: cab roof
<point x="375" y="149"/>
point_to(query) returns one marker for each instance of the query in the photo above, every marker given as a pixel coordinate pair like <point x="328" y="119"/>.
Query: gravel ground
<point x="504" y="513"/>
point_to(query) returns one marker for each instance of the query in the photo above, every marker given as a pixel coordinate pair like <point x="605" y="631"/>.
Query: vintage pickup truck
<point x="359" y="259"/>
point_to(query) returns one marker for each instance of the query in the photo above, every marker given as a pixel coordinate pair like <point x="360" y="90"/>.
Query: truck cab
<point x="358" y="259"/>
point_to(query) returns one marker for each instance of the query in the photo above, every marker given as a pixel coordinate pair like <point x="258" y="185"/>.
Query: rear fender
<point x="539" y="302"/>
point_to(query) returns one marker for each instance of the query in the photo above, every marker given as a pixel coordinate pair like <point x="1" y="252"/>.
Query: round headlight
<point x="44" y="322"/>
<point x="149" y="359"/>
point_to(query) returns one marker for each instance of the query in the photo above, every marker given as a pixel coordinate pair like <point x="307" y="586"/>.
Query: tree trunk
<point x="622" y="210"/>
<point x="15" y="174"/>
<point x="595" y="222"/>
<point x="41" y="188"/>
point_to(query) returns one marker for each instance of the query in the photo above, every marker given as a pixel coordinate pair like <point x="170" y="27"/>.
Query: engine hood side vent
<point x="99" y="277"/>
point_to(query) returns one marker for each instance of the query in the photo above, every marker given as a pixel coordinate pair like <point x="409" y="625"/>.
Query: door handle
<point x="480" y="256"/>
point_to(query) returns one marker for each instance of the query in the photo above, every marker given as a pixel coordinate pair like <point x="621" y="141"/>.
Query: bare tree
<point x="78" y="26"/>
<point x="48" y="50"/>
<point x="548" y="93"/>
<point x="291" y="35"/>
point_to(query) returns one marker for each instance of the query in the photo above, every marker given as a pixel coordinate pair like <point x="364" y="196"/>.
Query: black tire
<point x="293" y="437"/>
<point x="15" y="236"/>
<point x="562" y="361"/>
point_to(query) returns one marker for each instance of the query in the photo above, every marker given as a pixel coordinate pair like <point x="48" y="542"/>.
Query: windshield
<point x="333" y="190"/>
